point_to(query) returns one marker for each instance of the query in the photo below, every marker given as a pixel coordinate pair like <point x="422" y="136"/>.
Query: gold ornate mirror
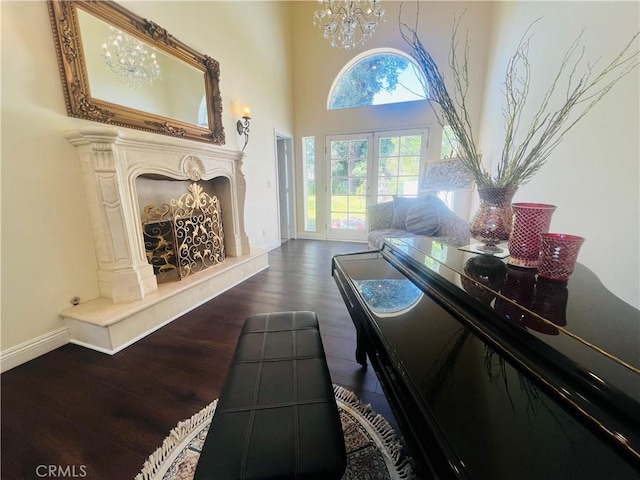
<point x="121" y="69"/>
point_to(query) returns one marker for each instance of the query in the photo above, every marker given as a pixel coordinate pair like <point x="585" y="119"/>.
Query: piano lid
<point x="581" y="319"/>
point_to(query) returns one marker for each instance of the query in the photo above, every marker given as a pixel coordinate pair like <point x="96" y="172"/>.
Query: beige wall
<point x="47" y="250"/>
<point x="593" y="175"/>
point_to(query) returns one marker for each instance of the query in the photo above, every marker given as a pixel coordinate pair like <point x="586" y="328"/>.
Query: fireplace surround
<point x="132" y="303"/>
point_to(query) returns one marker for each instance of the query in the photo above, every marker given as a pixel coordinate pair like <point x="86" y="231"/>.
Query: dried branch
<point x="523" y="153"/>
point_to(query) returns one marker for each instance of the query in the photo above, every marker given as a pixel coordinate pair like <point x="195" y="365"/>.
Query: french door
<point x="349" y="162"/>
<point x="363" y="169"/>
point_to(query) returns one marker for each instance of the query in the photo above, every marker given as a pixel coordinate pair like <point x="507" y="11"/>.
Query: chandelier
<point x="130" y="59"/>
<point x="347" y="24"/>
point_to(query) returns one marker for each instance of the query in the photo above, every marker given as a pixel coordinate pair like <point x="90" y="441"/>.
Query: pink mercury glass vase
<point x="558" y="255"/>
<point x="492" y="223"/>
<point x="530" y="220"/>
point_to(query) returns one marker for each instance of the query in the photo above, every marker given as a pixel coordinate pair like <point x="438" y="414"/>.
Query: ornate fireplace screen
<point x="185" y="236"/>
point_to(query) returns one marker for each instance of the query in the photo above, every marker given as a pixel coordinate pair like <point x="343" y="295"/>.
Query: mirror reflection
<point x="124" y="70"/>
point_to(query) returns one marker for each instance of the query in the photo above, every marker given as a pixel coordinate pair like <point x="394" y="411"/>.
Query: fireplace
<point x="121" y="172"/>
<point x="182" y="226"/>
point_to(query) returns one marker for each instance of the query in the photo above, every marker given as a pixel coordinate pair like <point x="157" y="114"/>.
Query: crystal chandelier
<point x="130" y="59"/>
<point x="347" y="24"/>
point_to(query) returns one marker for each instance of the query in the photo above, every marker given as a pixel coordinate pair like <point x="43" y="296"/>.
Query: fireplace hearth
<point x="121" y="170"/>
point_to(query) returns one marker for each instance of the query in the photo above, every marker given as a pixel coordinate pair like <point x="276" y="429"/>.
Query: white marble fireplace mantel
<point x="131" y="303"/>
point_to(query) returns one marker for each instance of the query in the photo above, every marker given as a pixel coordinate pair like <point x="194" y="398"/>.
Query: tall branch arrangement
<point x="524" y="152"/>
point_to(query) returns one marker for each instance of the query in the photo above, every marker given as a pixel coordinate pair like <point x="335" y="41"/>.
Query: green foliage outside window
<point x="387" y="72"/>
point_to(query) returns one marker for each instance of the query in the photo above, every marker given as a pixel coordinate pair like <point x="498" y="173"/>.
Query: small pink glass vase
<point x="558" y="255"/>
<point x="529" y="221"/>
<point x="492" y="223"/>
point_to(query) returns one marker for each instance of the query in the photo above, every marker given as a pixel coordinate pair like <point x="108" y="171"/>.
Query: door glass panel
<point x="349" y="182"/>
<point x="387" y="186"/>
<point x="339" y="149"/>
<point x="410" y="145"/>
<point x="387" y="166"/>
<point x="339" y="203"/>
<point x="358" y="149"/>
<point x="357" y="204"/>
<point x="338" y="186"/>
<point x="360" y="175"/>
<point x="409" y="166"/>
<point x="358" y="168"/>
<point x="358" y="186"/>
<point x="389" y="146"/>
<point x="339" y="168"/>
<point x="399" y="166"/>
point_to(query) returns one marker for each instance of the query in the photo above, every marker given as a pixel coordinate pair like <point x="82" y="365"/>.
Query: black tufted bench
<point x="277" y="416"/>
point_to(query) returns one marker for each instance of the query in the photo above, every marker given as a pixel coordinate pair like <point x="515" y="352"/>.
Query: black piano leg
<point x="361" y="352"/>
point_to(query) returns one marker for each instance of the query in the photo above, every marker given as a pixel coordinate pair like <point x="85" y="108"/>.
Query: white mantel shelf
<point x="109" y="327"/>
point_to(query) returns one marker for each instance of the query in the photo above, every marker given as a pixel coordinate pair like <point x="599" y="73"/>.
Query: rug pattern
<point x="374" y="452"/>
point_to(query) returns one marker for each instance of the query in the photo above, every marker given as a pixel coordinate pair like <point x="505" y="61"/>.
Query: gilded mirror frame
<point x="75" y="81"/>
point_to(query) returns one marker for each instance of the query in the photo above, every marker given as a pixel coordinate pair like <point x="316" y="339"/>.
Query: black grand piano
<point x="492" y="372"/>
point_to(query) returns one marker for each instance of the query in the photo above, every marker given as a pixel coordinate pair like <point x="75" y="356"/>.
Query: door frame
<point x="285" y="185"/>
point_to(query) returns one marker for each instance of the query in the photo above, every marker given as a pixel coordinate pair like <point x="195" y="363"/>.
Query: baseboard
<point x="33" y="348"/>
<point x="311" y="236"/>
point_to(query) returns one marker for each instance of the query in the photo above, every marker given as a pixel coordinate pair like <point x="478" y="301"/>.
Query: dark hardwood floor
<point x="101" y="416"/>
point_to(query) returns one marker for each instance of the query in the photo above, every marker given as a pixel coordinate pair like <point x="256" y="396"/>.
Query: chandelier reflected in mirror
<point x="348" y="24"/>
<point x="130" y="59"/>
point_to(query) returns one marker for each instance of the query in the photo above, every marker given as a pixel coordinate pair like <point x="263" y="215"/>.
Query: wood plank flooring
<point x="101" y="416"/>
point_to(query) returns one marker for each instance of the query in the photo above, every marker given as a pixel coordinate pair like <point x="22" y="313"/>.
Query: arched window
<point x="377" y="77"/>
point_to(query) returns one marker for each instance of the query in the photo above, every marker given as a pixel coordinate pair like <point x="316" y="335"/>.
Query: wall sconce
<point x="243" y="128"/>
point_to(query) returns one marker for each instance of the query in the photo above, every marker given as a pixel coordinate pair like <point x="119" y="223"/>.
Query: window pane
<point x="358" y="148"/>
<point x="310" y="184"/>
<point x="339" y="168"/>
<point x="377" y="79"/>
<point x="410" y="145"/>
<point x="399" y="166"/>
<point x="339" y="149"/>
<point x="351" y="222"/>
<point x="388" y="186"/>
<point x="339" y="186"/>
<point x="358" y="168"/>
<point x="357" y="186"/>
<point x="339" y="220"/>
<point x="387" y="167"/>
<point x="339" y="203"/>
<point x="408" y="186"/>
<point x="389" y="146"/>
<point x="358" y="204"/>
<point x="409" y="165"/>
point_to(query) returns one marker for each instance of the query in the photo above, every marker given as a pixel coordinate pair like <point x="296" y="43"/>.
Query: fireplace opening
<point x="182" y="225"/>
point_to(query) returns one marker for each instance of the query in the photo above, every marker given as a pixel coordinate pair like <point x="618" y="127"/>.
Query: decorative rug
<point x="374" y="451"/>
